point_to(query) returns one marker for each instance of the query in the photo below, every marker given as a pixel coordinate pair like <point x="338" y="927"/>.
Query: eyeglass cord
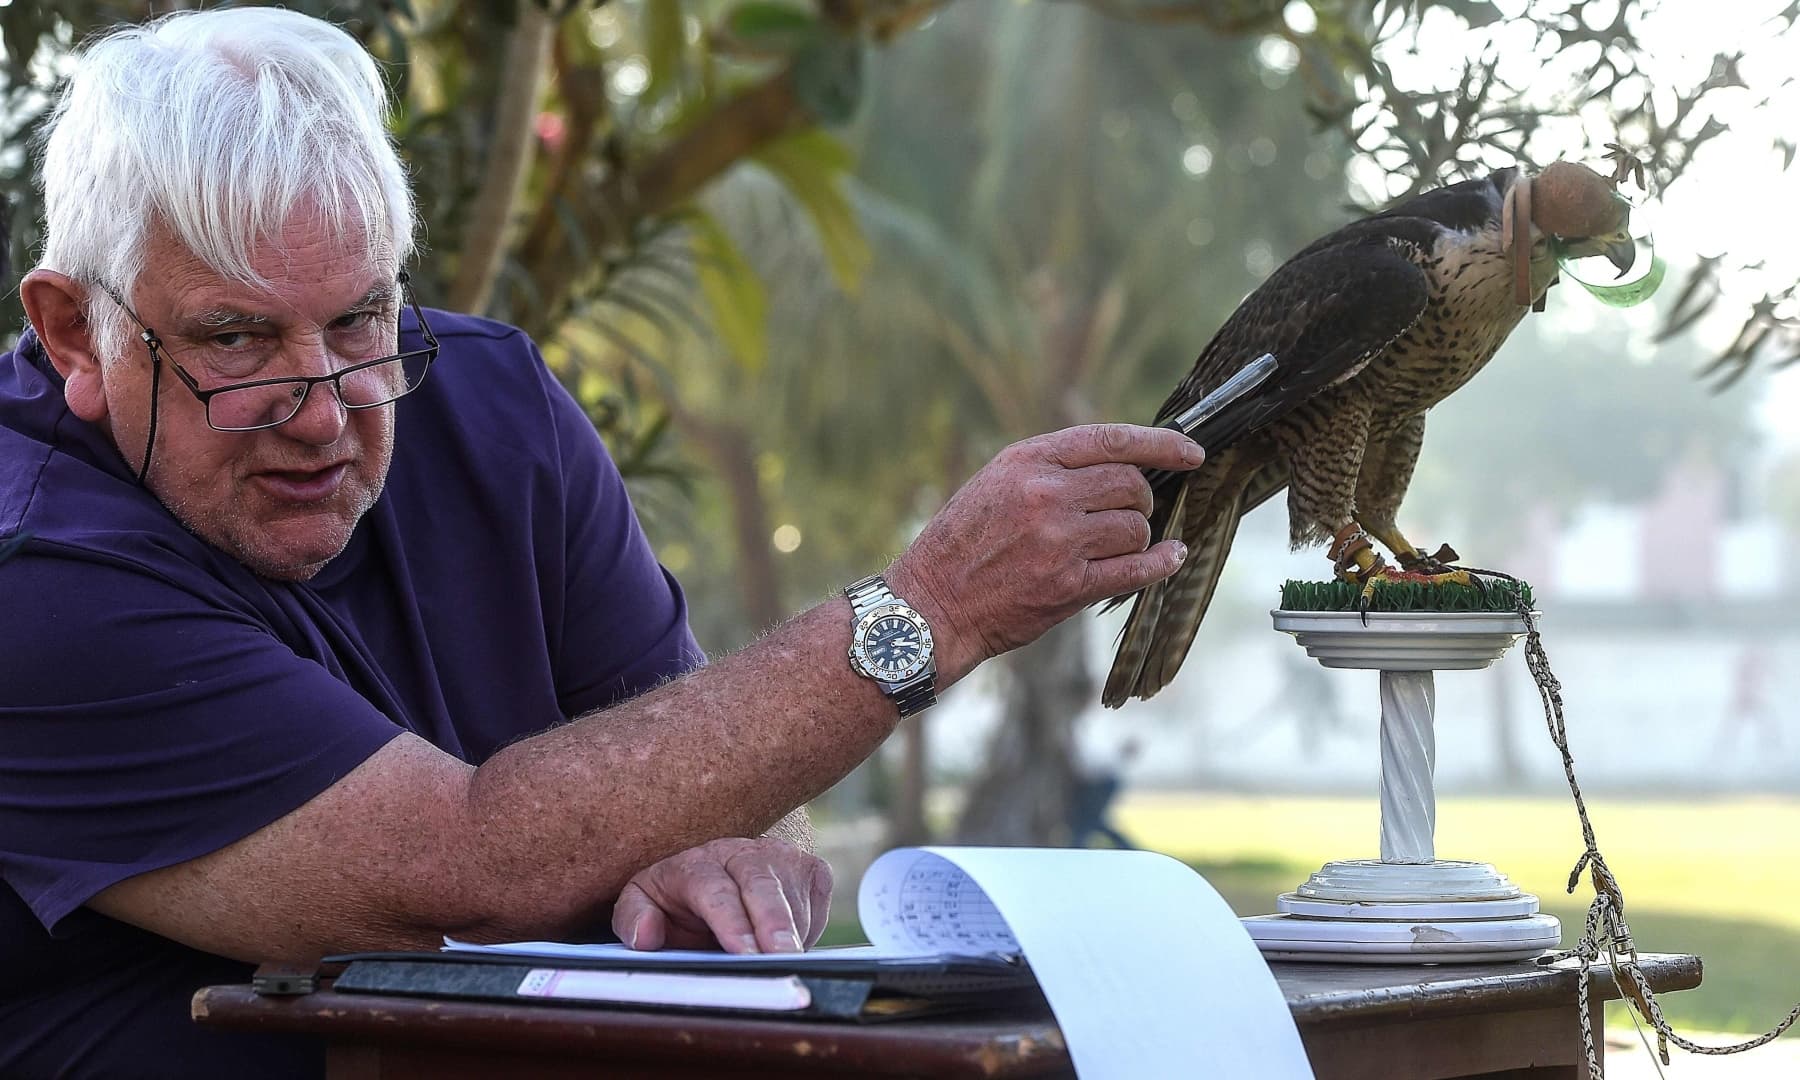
<point x="155" y="386"/>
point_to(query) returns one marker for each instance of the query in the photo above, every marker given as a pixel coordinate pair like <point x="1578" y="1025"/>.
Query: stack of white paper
<point x="1148" y="971"/>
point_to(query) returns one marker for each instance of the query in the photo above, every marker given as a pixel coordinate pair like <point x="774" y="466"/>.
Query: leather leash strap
<point x="1519" y="198"/>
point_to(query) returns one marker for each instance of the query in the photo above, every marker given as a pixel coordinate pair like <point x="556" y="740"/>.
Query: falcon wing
<point x="1324" y="314"/>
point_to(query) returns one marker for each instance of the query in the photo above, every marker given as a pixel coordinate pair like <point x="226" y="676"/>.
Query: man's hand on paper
<point x="746" y="896"/>
<point x="1054" y="523"/>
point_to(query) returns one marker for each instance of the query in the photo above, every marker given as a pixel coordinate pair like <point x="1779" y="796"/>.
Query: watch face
<point x="892" y="646"/>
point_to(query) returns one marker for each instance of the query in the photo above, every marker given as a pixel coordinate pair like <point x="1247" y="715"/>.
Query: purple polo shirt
<point x="158" y="701"/>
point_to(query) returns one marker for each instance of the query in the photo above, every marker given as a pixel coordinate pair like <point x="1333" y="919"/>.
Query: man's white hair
<point x="216" y="126"/>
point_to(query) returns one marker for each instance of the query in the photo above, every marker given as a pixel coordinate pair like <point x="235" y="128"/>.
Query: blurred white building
<point x="1671" y="625"/>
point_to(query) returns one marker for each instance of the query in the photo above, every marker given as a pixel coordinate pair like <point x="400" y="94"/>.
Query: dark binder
<point x="857" y="990"/>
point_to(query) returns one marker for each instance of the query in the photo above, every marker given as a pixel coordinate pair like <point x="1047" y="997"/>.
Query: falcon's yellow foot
<point x="1415" y="577"/>
<point x="1353" y="555"/>
<point x="1411" y="577"/>
<point x="1355" y="559"/>
<point x="1437" y="569"/>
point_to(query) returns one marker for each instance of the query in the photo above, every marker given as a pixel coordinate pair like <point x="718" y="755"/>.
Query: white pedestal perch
<point x="1408" y="907"/>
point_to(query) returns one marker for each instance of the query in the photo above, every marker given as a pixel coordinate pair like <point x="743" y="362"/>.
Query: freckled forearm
<point x="561" y="821"/>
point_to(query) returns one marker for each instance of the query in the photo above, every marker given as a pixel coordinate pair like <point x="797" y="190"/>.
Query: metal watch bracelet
<point x="916" y="694"/>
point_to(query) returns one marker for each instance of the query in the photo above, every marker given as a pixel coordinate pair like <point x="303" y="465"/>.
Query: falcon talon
<point x="1377" y="571"/>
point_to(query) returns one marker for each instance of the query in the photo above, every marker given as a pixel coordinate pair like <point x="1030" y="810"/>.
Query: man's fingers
<point x="715" y="897"/>
<point x="1114" y="532"/>
<point x="819" y="886"/>
<point x="764" y="898"/>
<point x="1107" y="578"/>
<point x="639" y="923"/>
<point x="799" y="899"/>
<point x="1112" y="486"/>
<point x="809" y="893"/>
<point x="748" y="896"/>
<point x="792" y="881"/>
<point x="1147" y="447"/>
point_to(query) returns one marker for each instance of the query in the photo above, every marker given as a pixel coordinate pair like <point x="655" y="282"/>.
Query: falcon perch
<point x="1371" y="326"/>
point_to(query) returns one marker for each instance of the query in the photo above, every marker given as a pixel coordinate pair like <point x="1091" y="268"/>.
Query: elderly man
<point x="329" y="624"/>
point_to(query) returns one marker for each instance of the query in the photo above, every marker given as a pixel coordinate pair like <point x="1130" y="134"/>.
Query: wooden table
<point x="1513" y="1021"/>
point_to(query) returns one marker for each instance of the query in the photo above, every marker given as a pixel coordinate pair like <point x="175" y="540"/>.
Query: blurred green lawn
<point x="1720" y="878"/>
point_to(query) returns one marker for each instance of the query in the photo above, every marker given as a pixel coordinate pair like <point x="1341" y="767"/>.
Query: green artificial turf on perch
<point x="1499" y="596"/>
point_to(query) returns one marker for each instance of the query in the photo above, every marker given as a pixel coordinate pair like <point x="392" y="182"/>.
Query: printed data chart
<point x="937" y="907"/>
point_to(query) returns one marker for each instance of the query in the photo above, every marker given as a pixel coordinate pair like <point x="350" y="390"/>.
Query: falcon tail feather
<point x="1164" y="617"/>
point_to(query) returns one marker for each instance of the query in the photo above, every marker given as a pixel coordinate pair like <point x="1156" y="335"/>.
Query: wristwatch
<point x="891" y="644"/>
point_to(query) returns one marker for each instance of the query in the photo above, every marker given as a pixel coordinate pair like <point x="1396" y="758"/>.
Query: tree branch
<point x="617" y="201"/>
<point x="581" y="86"/>
<point x="509" y="159"/>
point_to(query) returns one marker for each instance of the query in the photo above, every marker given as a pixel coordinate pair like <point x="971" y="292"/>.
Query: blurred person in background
<point x="1097" y="787"/>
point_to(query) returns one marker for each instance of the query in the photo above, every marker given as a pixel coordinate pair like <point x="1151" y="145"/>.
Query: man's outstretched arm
<point x="542" y="838"/>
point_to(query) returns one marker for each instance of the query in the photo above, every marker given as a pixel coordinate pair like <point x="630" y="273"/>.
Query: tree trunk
<point x="1025" y="791"/>
<point x="734" y="459"/>
<point x="906" y="817"/>
<point x="508" y="160"/>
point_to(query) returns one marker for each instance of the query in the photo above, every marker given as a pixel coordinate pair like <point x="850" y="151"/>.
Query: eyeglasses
<point x="266" y="403"/>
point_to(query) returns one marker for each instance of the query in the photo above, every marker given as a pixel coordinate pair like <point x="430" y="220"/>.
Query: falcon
<point x="1370" y="327"/>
